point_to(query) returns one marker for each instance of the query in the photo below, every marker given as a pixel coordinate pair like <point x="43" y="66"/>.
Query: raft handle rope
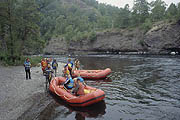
<point x="63" y="94"/>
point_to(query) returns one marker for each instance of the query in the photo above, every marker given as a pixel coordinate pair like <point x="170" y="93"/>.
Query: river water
<point x="140" y="87"/>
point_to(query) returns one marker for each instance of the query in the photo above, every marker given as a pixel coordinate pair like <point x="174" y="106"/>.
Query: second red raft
<point x="92" y="74"/>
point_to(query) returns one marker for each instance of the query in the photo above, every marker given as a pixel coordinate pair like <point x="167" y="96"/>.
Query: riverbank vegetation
<point x="35" y="60"/>
<point x="27" y="25"/>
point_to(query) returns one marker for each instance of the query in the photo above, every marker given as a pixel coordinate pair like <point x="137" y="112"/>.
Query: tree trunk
<point x="23" y="39"/>
<point x="2" y="38"/>
<point x="10" y="32"/>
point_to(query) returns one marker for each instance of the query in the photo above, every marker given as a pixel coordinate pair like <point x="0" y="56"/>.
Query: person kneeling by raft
<point x="79" y="86"/>
<point x="75" y="85"/>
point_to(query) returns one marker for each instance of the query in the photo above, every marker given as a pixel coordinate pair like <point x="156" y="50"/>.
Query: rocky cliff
<point x="163" y="38"/>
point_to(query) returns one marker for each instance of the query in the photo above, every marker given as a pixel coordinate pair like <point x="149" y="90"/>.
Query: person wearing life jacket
<point x="27" y="66"/>
<point x="65" y="72"/>
<point x="77" y="64"/>
<point x="79" y="86"/>
<point x="55" y="66"/>
<point x="48" y="60"/>
<point x="81" y="79"/>
<point x="43" y="65"/>
<point x="69" y="83"/>
<point x="48" y="73"/>
<point x="69" y="67"/>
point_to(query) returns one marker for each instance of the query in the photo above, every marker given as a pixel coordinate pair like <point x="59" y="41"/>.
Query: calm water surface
<point x="140" y="87"/>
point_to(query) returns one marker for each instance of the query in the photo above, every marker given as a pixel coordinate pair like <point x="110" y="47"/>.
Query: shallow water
<point x="140" y="87"/>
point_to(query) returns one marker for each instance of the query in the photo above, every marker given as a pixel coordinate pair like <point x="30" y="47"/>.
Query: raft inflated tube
<point x="92" y="95"/>
<point x="92" y="74"/>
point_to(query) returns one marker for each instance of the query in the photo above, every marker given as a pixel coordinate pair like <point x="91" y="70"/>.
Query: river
<point x="139" y="87"/>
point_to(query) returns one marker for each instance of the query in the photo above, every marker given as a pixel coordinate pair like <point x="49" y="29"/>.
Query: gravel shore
<point x="18" y="96"/>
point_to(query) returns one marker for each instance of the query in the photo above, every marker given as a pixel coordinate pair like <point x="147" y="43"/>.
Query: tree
<point x="69" y="33"/>
<point x="9" y="26"/>
<point x="141" y="9"/>
<point x="93" y="3"/>
<point x="103" y="22"/>
<point x="171" y="11"/>
<point x="158" y="10"/>
<point x="29" y="28"/>
<point x="178" y="11"/>
<point x="126" y="16"/>
<point x="123" y="19"/>
<point x="19" y="28"/>
<point x="60" y="25"/>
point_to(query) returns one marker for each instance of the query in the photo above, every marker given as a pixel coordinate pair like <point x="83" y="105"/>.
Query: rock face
<point x="123" y="41"/>
<point x="161" y="39"/>
<point x="56" y="46"/>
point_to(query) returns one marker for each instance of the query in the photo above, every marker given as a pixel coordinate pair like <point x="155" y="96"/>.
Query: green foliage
<point x="141" y="9"/>
<point x="178" y="11"/>
<point x="171" y="11"/>
<point x="27" y="25"/>
<point x="158" y="10"/>
<point x="19" y="27"/>
<point x="75" y="20"/>
<point x="93" y="3"/>
<point x="123" y="19"/>
<point x="35" y="60"/>
<point x="147" y="25"/>
<point x="92" y="36"/>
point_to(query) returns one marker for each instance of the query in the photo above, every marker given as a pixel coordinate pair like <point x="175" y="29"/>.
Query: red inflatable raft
<point x="92" y="95"/>
<point x="92" y="74"/>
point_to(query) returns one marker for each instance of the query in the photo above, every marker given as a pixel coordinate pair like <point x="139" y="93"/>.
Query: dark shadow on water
<point x="98" y="83"/>
<point x="61" y="109"/>
<point x="107" y="79"/>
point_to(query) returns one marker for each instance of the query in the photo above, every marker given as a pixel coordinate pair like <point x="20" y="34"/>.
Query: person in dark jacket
<point x="55" y="66"/>
<point x="69" y="83"/>
<point x="27" y="66"/>
<point x="48" y="73"/>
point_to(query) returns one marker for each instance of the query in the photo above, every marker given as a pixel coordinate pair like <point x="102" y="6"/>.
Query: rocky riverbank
<point x="20" y="98"/>
<point x="162" y="38"/>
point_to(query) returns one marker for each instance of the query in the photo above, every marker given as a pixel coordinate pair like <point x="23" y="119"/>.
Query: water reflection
<point x="140" y="87"/>
<point x="61" y="110"/>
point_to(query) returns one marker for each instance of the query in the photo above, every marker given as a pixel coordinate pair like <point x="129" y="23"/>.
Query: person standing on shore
<point x="69" y="67"/>
<point x="43" y="65"/>
<point x="48" y="73"/>
<point x="55" y="66"/>
<point x="27" y="66"/>
<point x="77" y="64"/>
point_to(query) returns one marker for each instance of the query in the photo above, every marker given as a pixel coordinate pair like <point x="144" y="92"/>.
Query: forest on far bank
<point x="26" y="26"/>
